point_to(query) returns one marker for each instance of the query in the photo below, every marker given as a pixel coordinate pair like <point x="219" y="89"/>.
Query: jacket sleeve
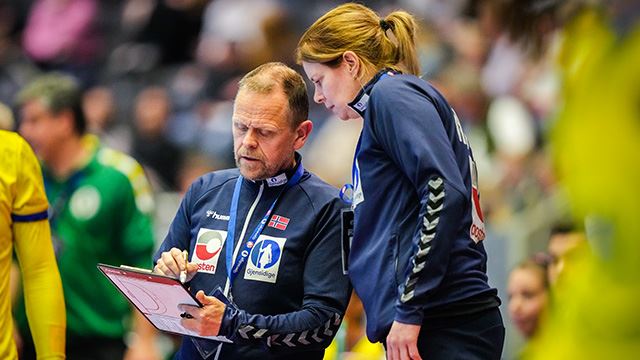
<point x="409" y="128"/>
<point x="326" y="294"/>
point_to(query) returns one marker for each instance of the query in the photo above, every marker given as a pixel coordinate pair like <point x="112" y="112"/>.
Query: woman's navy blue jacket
<point x="417" y="249"/>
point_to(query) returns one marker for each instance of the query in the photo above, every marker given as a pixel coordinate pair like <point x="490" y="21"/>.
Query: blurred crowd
<point x="159" y="78"/>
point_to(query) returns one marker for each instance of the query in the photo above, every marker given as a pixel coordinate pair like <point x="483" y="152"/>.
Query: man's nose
<point x="250" y="139"/>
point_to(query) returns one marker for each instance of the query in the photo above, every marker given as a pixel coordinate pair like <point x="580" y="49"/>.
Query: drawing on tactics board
<point x="144" y="299"/>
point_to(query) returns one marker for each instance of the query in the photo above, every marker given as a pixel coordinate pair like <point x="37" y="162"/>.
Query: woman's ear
<point x="353" y="63"/>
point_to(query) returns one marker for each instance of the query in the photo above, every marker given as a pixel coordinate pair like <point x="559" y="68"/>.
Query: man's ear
<point x="302" y="134"/>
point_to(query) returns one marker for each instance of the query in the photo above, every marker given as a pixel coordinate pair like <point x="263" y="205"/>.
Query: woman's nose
<point x="318" y="97"/>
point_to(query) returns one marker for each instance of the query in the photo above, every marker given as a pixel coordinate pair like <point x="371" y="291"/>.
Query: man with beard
<point x="266" y="233"/>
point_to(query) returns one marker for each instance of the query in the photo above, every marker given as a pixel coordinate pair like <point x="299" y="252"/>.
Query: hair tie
<point x="384" y="24"/>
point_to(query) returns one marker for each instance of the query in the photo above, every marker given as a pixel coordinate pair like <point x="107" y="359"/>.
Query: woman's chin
<point x="346" y="116"/>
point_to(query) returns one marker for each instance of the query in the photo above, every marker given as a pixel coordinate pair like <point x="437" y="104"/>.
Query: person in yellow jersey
<point x="24" y="226"/>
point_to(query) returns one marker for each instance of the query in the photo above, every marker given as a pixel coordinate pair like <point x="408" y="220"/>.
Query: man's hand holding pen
<point x="204" y="320"/>
<point x="175" y="262"/>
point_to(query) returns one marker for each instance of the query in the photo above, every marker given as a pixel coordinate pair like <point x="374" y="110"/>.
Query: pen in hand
<point x="183" y="273"/>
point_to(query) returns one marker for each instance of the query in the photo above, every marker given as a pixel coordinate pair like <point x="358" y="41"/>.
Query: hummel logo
<point x="214" y="215"/>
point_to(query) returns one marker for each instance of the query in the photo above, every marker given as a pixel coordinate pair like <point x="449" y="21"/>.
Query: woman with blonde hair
<point x="417" y="260"/>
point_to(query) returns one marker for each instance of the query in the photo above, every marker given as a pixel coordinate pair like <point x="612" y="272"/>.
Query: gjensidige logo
<point x="264" y="259"/>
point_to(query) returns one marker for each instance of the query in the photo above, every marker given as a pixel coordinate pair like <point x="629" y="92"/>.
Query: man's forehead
<point x="33" y="106"/>
<point x="260" y="109"/>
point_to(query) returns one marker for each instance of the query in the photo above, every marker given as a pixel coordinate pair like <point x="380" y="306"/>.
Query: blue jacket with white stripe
<point x="417" y="250"/>
<point x="291" y="293"/>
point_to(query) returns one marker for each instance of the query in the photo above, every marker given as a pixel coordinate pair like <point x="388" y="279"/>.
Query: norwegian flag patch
<point x="278" y="222"/>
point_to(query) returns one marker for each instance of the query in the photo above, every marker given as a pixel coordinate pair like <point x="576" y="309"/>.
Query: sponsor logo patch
<point x="207" y="251"/>
<point x="264" y="259"/>
<point x="477" y="231"/>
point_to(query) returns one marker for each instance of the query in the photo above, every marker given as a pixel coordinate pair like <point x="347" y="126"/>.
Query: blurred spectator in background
<point x="100" y="212"/>
<point x="564" y="240"/>
<point x="528" y="292"/>
<point x="193" y="167"/>
<point x="331" y="151"/>
<point x="24" y="227"/>
<point x="98" y="105"/>
<point x="61" y="35"/>
<point x="6" y="118"/>
<point x="154" y="33"/>
<point x="158" y="155"/>
<point x="15" y="67"/>
<point x="225" y="46"/>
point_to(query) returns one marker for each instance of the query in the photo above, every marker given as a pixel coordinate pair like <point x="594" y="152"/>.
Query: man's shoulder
<point x="318" y="190"/>
<point x="214" y="179"/>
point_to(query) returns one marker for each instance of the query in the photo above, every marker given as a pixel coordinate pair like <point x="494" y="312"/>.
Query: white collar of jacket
<point x="283" y="177"/>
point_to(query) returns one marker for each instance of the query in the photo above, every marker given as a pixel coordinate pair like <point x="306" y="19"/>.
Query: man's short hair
<point x="267" y="77"/>
<point x="57" y="92"/>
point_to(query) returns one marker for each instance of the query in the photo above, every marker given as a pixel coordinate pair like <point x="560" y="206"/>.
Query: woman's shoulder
<point x="400" y="84"/>
<point x="392" y="89"/>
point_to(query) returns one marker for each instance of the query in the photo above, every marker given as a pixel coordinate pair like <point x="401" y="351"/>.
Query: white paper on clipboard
<point x="156" y="296"/>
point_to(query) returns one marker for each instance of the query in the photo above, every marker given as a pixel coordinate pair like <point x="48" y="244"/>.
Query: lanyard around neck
<point x="234" y="268"/>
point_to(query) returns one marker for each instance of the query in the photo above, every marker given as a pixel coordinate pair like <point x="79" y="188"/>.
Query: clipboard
<point x="157" y="297"/>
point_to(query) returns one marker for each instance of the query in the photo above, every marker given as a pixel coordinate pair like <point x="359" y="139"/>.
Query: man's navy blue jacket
<point x="291" y="292"/>
<point x="417" y="250"/>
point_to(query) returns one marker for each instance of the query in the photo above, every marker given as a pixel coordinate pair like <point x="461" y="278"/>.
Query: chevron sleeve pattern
<point x="428" y="232"/>
<point x="272" y="330"/>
